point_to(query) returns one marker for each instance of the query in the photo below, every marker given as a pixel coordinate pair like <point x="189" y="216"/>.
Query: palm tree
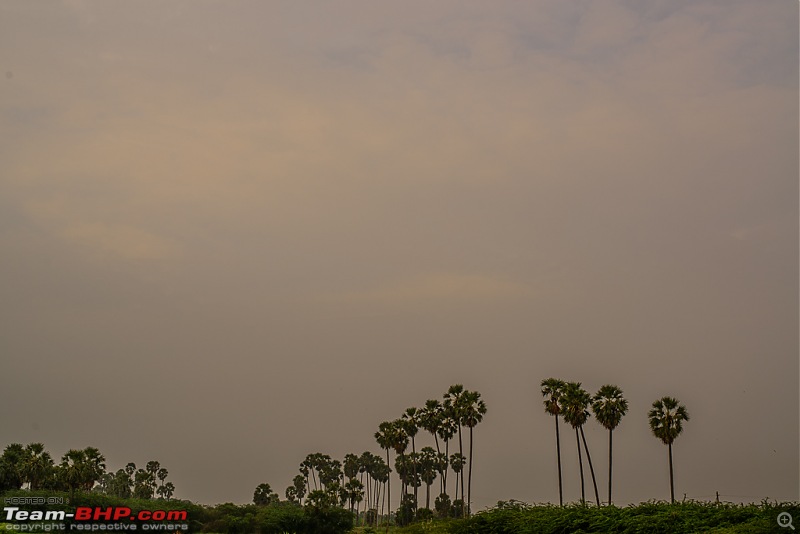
<point x="666" y="422"/>
<point x="552" y="390"/>
<point x="263" y="495"/>
<point x="430" y="419"/>
<point x="609" y="406"/>
<point x="429" y="464"/>
<point x="390" y="435"/>
<point x="37" y="465"/>
<point x="95" y="466"/>
<point x="452" y="406"/>
<point x="574" y="405"/>
<point x="457" y="462"/>
<point x="72" y="470"/>
<point x="411" y="425"/>
<point x="472" y="411"/>
<point x="169" y="489"/>
<point x="161" y="474"/>
<point x="447" y="430"/>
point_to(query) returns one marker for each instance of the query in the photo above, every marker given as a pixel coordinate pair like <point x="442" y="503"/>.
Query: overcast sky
<point x="235" y="233"/>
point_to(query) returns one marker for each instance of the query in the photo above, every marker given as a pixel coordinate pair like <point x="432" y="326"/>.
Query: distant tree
<point x="350" y="466"/>
<point x="552" y="390"/>
<point x="144" y="484"/>
<point x="430" y="420"/>
<point x="457" y="462"/>
<point x="37" y="465"/>
<point x="609" y="406"/>
<point x="447" y="430"/>
<point x="161" y="474"/>
<point x="411" y="424"/>
<point x="152" y="467"/>
<point x="297" y="490"/>
<point x="388" y="437"/>
<point x="666" y="421"/>
<point x="575" y="409"/>
<point x="95" y="466"/>
<point x="12" y="467"/>
<point x="168" y="490"/>
<point x="472" y="411"/>
<point x="72" y="470"/>
<point x="429" y="467"/>
<point x="130" y="468"/>
<point x="443" y="506"/>
<point x="453" y="406"/>
<point x="264" y="495"/>
<point x="354" y="492"/>
<point x="120" y="484"/>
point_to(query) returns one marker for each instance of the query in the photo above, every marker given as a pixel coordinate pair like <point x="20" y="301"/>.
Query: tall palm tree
<point x="472" y="412"/>
<point x="453" y="406"/>
<point x="386" y="436"/>
<point x="575" y="408"/>
<point x="429" y="463"/>
<point x="447" y="430"/>
<point x="609" y="406"/>
<point x="666" y="422"/>
<point x="552" y="390"/>
<point x="37" y="465"/>
<point x="411" y="424"/>
<point x="457" y="462"/>
<point x="430" y="419"/>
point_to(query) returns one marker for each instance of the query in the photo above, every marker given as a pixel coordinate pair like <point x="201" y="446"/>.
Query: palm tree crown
<point x="574" y="404"/>
<point x="552" y="391"/>
<point x="666" y="419"/>
<point x="609" y="406"/>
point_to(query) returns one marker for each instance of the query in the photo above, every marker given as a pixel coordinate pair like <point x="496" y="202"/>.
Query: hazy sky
<point x="235" y="233"/>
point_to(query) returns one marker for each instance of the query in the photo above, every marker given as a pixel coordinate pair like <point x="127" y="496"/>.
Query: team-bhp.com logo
<point x="114" y="518"/>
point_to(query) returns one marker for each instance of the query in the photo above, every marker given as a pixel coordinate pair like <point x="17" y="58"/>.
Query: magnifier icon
<point x="785" y="520"/>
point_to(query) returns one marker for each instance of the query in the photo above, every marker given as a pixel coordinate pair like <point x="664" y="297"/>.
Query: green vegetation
<point x="80" y="471"/>
<point x="646" y="518"/>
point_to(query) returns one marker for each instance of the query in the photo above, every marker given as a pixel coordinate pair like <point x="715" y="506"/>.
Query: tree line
<point x="571" y="402"/>
<point x="364" y="480"/>
<point x="31" y="466"/>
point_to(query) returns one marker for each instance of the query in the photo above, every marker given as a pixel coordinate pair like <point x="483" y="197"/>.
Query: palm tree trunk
<point x="671" y="479"/>
<point x="380" y="496"/>
<point x="388" y="492"/>
<point x="469" y="478"/>
<point x="610" y="434"/>
<point x="558" y="452"/>
<point x="461" y="452"/>
<point x="580" y="466"/>
<point x="438" y="452"/>
<point x="414" y="465"/>
<point x="428" y="497"/>
<point x="403" y="485"/>
<point x="455" y="497"/>
<point x="591" y="469"/>
<point x="447" y="467"/>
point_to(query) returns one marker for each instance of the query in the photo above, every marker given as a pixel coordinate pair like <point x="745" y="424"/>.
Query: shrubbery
<point x="650" y="517"/>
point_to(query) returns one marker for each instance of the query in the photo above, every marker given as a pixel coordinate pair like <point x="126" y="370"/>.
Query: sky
<point x="236" y="233"/>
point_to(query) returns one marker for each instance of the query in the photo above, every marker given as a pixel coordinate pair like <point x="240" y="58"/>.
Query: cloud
<point x="62" y="218"/>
